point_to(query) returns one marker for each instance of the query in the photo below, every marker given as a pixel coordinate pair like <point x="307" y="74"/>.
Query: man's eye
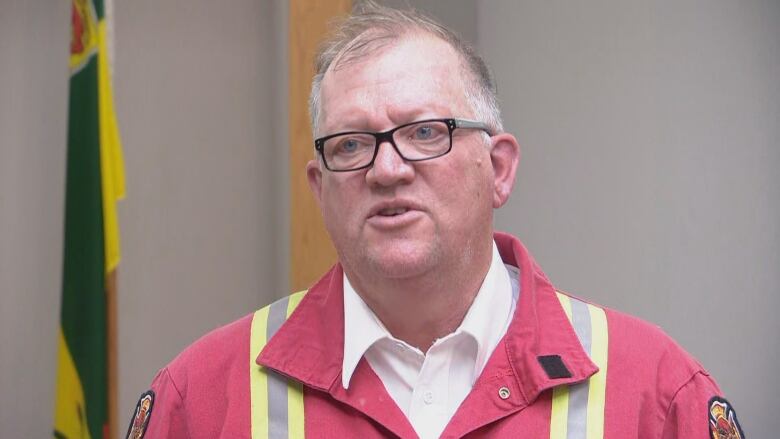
<point x="350" y="146"/>
<point x="424" y="132"/>
<point x="428" y="132"/>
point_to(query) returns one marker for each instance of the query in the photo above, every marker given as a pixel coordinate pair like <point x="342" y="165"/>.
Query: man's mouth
<point x="394" y="214"/>
<point x="393" y="211"/>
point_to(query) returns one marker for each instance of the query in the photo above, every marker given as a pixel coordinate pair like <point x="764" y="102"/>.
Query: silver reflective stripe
<point x="277" y="384"/>
<point x="578" y="393"/>
<point x="581" y="321"/>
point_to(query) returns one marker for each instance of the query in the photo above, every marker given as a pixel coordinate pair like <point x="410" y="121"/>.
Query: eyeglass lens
<point x="416" y="141"/>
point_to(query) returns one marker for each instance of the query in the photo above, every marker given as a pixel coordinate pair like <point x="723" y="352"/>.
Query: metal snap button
<point x="503" y="393"/>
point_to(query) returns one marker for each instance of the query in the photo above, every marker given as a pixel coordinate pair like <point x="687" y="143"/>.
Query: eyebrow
<point x="361" y="122"/>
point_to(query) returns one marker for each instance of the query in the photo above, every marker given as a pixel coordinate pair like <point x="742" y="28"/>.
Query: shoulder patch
<point x="723" y="420"/>
<point x="143" y="411"/>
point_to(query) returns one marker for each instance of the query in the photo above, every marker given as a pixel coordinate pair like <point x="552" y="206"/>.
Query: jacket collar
<point x="540" y="328"/>
<point x="309" y="346"/>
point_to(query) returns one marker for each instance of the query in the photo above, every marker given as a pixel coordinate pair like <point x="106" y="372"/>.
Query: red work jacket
<point x="654" y="389"/>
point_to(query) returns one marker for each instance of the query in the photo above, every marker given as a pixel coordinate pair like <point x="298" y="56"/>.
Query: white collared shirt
<point x="428" y="388"/>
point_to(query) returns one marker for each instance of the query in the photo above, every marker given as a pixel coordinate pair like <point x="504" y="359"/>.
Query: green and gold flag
<point x="94" y="182"/>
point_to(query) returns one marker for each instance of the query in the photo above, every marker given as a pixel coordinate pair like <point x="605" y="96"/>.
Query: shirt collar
<point x="486" y="320"/>
<point x="362" y="329"/>
<point x="491" y="312"/>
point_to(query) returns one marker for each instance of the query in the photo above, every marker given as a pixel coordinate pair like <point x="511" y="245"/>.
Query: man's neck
<point x="422" y="309"/>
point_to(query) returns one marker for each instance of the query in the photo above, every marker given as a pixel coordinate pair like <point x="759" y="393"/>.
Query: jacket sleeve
<point x="167" y="416"/>
<point x="698" y="411"/>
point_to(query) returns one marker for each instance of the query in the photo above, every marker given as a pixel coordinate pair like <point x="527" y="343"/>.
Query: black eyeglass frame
<point x="387" y="136"/>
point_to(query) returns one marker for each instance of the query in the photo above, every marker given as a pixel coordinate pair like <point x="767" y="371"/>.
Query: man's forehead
<point x="372" y="45"/>
<point x="409" y="76"/>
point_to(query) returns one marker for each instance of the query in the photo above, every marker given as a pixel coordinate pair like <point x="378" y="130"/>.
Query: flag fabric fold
<point x="94" y="183"/>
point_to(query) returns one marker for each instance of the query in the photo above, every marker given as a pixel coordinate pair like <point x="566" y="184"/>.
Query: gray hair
<point x="371" y="25"/>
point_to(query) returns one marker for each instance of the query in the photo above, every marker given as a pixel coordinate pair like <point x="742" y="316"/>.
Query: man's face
<point x="402" y="219"/>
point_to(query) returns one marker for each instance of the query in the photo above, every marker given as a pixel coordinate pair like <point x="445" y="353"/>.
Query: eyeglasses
<point x="414" y="142"/>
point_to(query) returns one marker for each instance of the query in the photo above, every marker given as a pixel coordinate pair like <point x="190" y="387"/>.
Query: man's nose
<point x="389" y="167"/>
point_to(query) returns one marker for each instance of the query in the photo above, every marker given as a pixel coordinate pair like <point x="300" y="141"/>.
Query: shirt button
<point x="503" y="393"/>
<point x="428" y="397"/>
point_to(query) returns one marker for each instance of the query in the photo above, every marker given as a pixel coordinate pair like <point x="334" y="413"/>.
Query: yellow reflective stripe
<point x="560" y="399"/>
<point x="258" y="380"/>
<point x="560" y="412"/>
<point x="598" y="382"/>
<point x="565" y="303"/>
<point x="295" y="299"/>
<point x="295" y="419"/>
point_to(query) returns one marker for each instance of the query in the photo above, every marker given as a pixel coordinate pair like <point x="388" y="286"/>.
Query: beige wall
<point x="33" y="106"/>
<point x="197" y="90"/>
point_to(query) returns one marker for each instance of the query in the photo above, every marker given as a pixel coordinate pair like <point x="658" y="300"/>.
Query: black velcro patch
<point x="554" y="367"/>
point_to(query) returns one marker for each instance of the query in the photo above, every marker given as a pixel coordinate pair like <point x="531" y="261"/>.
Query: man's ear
<point x="314" y="175"/>
<point x="505" y="156"/>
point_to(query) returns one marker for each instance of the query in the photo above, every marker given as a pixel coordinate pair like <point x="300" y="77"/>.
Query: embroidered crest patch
<point x="723" y="420"/>
<point x="143" y="411"/>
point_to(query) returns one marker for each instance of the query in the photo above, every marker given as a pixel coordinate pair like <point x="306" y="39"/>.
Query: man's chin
<point x="400" y="263"/>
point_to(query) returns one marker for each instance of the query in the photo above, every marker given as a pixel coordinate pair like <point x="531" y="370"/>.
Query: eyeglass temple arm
<point x="463" y="123"/>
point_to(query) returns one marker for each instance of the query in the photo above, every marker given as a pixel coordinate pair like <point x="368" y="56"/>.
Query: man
<point x="431" y="325"/>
